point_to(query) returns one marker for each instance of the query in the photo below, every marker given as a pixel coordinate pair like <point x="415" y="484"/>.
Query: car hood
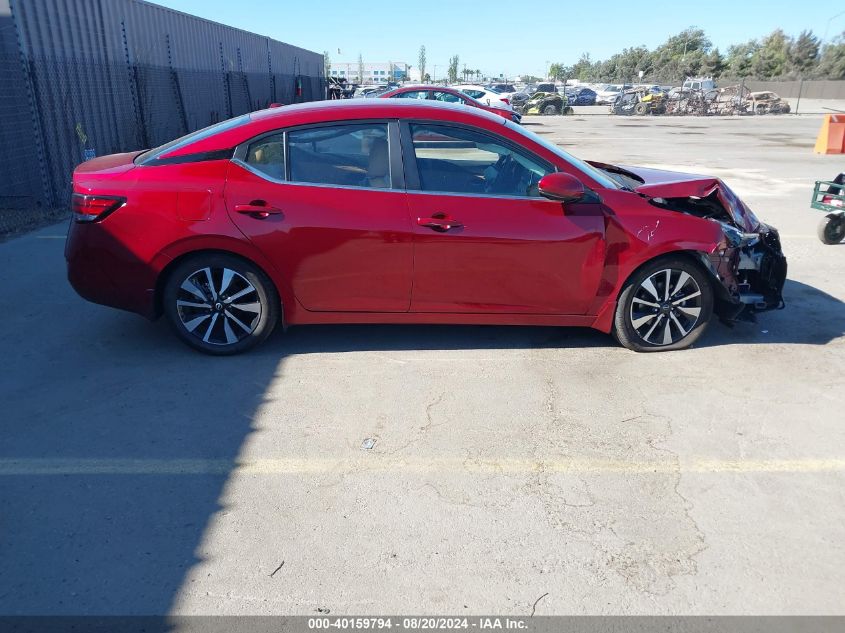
<point x="659" y="183"/>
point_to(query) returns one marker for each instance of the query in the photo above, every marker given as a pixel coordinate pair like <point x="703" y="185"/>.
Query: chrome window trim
<point x="299" y="183"/>
<point x="476" y="195"/>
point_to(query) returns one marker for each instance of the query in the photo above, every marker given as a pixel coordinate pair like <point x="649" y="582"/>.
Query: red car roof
<point x="336" y="110"/>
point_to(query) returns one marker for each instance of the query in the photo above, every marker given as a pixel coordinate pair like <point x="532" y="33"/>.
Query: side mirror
<point x="561" y="186"/>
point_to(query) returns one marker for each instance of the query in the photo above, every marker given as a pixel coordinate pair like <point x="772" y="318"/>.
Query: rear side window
<point x="416" y="94"/>
<point x="448" y="97"/>
<point x="267" y="155"/>
<point x="475" y="94"/>
<point x="344" y="155"/>
<point x="193" y="137"/>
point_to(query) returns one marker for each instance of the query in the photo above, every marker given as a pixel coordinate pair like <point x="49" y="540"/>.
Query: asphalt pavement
<point x="439" y="469"/>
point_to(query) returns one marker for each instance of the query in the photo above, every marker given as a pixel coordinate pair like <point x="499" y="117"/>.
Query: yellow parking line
<point x="420" y="465"/>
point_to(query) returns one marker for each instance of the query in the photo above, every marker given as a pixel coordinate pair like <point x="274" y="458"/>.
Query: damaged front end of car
<point x="752" y="270"/>
<point x="748" y="262"/>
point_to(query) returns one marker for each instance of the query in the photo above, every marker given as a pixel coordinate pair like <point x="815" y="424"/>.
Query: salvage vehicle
<point x="548" y="103"/>
<point x="409" y="211"/>
<point x="519" y="99"/>
<point x="767" y="102"/>
<point x="831" y="201"/>
<point x="639" y="101"/>
<point x="452" y="95"/>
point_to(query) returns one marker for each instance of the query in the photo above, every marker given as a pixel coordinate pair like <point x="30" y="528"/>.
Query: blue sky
<point x="505" y="36"/>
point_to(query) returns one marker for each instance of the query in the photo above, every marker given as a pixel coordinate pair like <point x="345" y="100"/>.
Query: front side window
<point x="267" y="155"/>
<point x="345" y="155"/>
<point x="459" y="160"/>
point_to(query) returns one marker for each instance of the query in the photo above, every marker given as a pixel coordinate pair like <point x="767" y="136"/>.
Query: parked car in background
<point x="519" y="99"/>
<point x="503" y="88"/>
<point x="767" y="102"/>
<point x="485" y="95"/>
<point x="450" y="95"/>
<point x="606" y="94"/>
<point x="409" y="211"/>
<point x="578" y="96"/>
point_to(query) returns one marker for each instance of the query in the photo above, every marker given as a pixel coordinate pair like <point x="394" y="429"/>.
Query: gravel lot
<point x="137" y="476"/>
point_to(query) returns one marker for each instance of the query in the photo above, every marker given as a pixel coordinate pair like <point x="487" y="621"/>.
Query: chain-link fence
<point x="85" y="78"/>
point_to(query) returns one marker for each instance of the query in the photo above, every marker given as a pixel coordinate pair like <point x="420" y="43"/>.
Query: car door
<point x="326" y="205"/>
<point x="485" y="241"/>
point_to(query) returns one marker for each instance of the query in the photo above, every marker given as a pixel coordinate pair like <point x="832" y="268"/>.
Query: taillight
<point x="94" y="208"/>
<point x="507" y="101"/>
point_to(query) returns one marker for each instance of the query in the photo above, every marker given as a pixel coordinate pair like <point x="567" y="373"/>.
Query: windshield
<point x="193" y="137"/>
<point x="599" y="176"/>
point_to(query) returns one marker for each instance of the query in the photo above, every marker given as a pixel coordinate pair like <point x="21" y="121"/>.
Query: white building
<point x="374" y="72"/>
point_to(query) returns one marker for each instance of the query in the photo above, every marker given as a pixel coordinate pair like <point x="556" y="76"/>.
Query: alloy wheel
<point x="218" y="305"/>
<point x="666" y="307"/>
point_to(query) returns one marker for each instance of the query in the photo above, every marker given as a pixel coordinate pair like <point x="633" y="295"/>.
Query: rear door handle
<point x="439" y="222"/>
<point x="257" y="209"/>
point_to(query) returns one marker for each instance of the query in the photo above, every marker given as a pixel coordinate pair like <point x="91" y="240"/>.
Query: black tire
<point x="641" y="109"/>
<point x="831" y="229"/>
<point x="635" y="330"/>
<point x="232" y="312"/>
<point x="550" y="109"/>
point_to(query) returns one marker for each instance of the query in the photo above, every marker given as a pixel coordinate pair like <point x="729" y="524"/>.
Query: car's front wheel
<point x="220" y="304"/>
<point x="666" y="305"/>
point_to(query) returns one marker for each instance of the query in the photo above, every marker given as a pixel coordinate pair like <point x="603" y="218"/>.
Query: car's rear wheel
<point x="550" y="109"/>
<point x="666" y="305"/>
<point x="220" y="304"/>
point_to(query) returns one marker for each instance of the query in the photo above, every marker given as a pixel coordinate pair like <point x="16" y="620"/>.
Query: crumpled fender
<point x="637" y="236"/>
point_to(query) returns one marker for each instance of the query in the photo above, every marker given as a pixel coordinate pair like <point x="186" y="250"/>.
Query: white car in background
<point x="485" y="96"/>
<point x="607" y="93"/>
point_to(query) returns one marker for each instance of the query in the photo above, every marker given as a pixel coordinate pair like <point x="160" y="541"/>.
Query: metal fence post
<point x="132" y="70"/>
<point x="226" y="85"/>
<point x="800" y="88"/>
<point x="177" y="89"/>
<point x="27" y="68"/>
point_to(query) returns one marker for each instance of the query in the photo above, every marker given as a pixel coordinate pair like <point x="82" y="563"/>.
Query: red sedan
<point x="401" y="211"/>
<point x="450" y="95"/>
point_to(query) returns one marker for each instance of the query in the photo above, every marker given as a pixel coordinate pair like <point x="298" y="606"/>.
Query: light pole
<point x="686" y="41"/>
<point x="827" y="28"/>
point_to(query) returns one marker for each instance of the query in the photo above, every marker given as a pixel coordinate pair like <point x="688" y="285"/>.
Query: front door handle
<point x="439" y="222"/>
<point x="257" y="209"/>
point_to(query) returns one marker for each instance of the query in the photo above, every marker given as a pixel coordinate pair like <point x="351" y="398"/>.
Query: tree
<point x="771" y="59"/>
<point x="426" y="78"/>
<point x="832" y="61"/>
<point x="556" y="71"/>
<point x="327" y="63"/>
<point x="583" y="68"/>
<point x="804" y="53"/>
<point x="421" y="63"/>
<point x="453" y="69"/>
<point x="713" y="64"/>
<point x="360" y="68"/>
<point x="739" y="58"/>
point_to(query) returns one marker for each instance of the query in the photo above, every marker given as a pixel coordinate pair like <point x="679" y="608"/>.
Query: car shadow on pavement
<point x="117" y="441"/>
<point x="811" y="317"/>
